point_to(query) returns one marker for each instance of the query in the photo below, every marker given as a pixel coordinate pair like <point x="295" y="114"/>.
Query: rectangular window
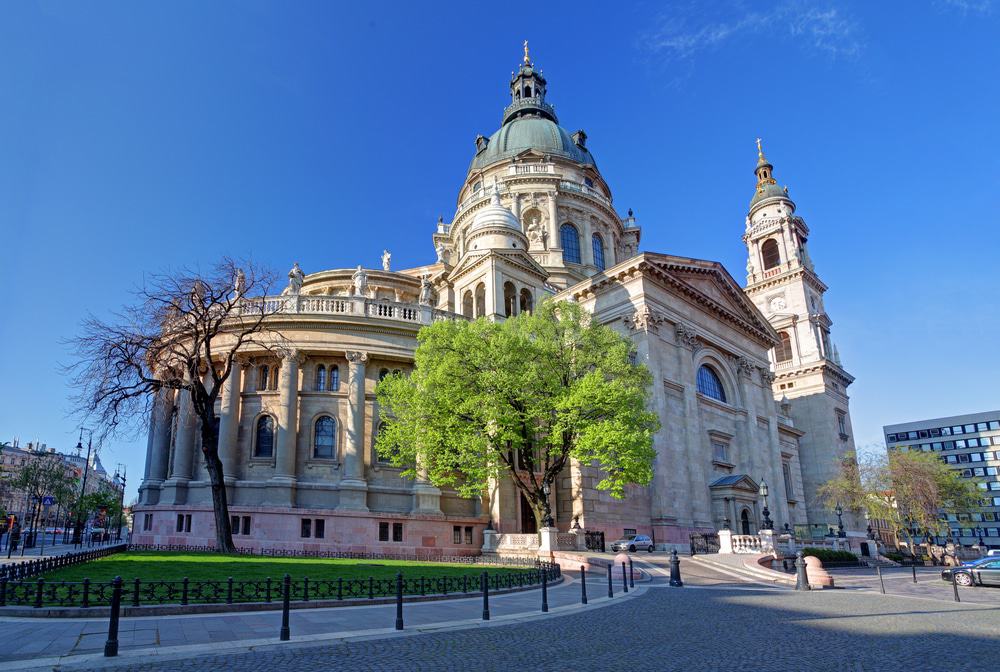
<point x="922" y="433"/>
<point x="456" y="533"/>
<point x="936" y="446"/>
<point x="383" y="531"/>
<point x="981" y="426"/>
<point x="996" y="440"/>
<point x="946" y="431"/>
<point x="468" y="534"/>
<point x="720" y="451"/>
<point x="952" y="459"/>
<point x="306" y="528"/>
<point x="963" y="458"/>
<point x="147" y="522"/>
<point x="994" y="424"/>
<point x="960" y="443"/>
<point x="629" y="531"/>
<point x="234" y="524"/>
<point x="991" y="471"/>
<point x="969" y="429"/>
<point x="949" y="445"/>
<point x="911" y="435"/>
<point x="890" y="437"/>
<point x="319" y="528"/>
<point x="996" y="501"/>
<point x="246" y="524"/>
<point x="180" y="522"/>
<point x="976" y="457"/>
<point x="978" y="471"/>
<point x="935" y="432"/>
<point x="187" y="523"/>
<point x="957" y="429"/>
<point x="786" y="472"/>
<point x="397" y="531"/>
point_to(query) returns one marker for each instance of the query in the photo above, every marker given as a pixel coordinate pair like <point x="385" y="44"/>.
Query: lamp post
<point x="768" y="524"/>
<point x="839" y="510"/>
<point x="121" y="503"/>
<point x="547" y="520"/>
<point x="83" y="488"/>
<point x="979" y="533"/>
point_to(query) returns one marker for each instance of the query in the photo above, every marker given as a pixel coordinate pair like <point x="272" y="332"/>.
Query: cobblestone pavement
<point x="672" y="629"/>
<point x="899" y="581"/>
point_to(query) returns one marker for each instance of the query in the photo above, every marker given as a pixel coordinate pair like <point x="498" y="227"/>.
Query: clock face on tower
<point x="777" y="303"/>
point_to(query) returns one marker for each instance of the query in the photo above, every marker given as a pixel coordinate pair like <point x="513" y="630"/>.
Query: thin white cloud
<point x="682" y="33"/>
<point x="970" y="6"/>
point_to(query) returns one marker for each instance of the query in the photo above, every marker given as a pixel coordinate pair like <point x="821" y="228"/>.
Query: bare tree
<point x="182" y="333"/>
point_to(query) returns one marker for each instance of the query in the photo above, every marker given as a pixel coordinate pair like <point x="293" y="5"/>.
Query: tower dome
<point x="495" y="215"/>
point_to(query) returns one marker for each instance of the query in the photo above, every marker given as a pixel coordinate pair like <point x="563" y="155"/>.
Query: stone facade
<point x="534" y="221"/>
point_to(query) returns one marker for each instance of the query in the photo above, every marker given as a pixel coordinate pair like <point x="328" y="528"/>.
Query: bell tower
<point x="783" y="283"/>
<point x="527" y="93"/>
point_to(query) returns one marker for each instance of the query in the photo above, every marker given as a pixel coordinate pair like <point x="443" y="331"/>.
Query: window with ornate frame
<point x="709" y="383"/>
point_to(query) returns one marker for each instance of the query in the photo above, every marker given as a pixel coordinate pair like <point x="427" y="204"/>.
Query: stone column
<point x="184" y="441"/>
<point x="699" y="501"/>
<point x="516" y="207"/>
<point x="288" y="415"/>
<point x="159" y="449"/>
<point x="553" y="222"/>
<point x="229" y="420"/>
<point x="426" y="497"/>
<point x="587" y="244"/>
<point x="353" y="487"/>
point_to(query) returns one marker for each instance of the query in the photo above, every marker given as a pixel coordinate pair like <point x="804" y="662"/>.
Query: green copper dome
<point x="767" y="190"/>
<point x="523" y="133"/>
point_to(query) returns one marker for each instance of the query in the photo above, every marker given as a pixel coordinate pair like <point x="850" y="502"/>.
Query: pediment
<point x="517" y="258"/>
<point x="740" y="482"/>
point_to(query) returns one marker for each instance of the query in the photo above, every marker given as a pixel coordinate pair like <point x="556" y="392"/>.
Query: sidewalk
<point x="50" y="551"/>
<point x="34" y="642"/>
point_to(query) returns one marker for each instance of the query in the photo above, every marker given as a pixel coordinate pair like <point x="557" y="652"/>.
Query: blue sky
<point x="137" y="137"/>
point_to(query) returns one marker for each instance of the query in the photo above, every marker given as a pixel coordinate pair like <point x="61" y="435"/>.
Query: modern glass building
<point x="970" y="444"/>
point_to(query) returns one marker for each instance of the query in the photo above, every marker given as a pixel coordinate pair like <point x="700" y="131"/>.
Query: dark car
<point x="985" y="572"/>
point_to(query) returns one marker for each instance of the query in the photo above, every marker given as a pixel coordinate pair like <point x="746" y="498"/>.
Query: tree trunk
<point x="220" y="504"/>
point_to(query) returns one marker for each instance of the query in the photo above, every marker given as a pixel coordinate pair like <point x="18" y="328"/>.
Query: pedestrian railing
<point x="136" y="593"/>
<point x="23" y="570"/>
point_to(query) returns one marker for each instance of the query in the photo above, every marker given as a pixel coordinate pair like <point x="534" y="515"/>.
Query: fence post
<point x="399" y="600"/>
<point x="486" y="596"/>
<point x="583" y="584"/>
<point x="422" y="585"/>
<point x="111" y="646"/>
<point x="611" y="590"/>
<point x="305" y="588"/>
<point x="624" y="578"/>
<point x="286" y="589"/>
<point x="631" y="575"/>
<point x="184" y="591"/>
<point x="86" y="593"/>
<point x="3" y="591"/>
<point x="371" y="588"/>
<point x="545" y="589"/>
<point x="229" y="591"/>
<point x="135" y="593"/>
<point x="267" y="589"/>
<point x="39" y="589"/>
<point x="914" y="567"/>
<point x="675" y="570"/>
<point x="465" y="583"/>
<point x="954" y="583"/>
<point x="340" y="588"/>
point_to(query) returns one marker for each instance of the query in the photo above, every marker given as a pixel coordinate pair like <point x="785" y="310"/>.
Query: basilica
<point x="747" y="383"/>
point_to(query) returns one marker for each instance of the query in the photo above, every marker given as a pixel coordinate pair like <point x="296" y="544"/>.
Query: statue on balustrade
<point x="360" y="279"/>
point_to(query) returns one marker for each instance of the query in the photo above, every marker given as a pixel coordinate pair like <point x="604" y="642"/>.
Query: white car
<point x="633" y="543"/>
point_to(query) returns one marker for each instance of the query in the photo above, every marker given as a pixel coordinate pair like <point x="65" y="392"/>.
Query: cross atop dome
<point x="527" y="59"/>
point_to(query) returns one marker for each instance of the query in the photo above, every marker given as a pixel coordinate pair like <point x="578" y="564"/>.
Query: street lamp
<point x="839" y="510"/>
<point x="547" y="520"/>
<point x="979" y="533"/>
<point x="768" y="524"/>
<point x="78" y="530"/>
<point x="121" y="504"/>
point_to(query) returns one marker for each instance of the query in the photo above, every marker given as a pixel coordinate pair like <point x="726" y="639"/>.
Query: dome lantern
<point x="527" y="93"/>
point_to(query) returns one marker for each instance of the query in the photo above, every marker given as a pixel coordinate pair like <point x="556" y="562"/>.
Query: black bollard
<point x="485" y="584"/>
<point x="286" y="589"/>
<point x="611" y="591"/>
<point x="624" y="578"/>
<point x="913" y="566"/>
<point x="583" y="584"/>
<point x="881" y="583"/>
<point x="954" y="583"/>
<point x="399" y="600"/>
<point x="631" y="575"/>
<point x="801" y="582"/>
<point x="111" y="646"/>
<point x="545" y="590"/>
<point x="675" y="570"/>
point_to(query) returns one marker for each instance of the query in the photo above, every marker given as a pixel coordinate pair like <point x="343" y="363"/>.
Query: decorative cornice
<point x="356" y="357"/>
<point x="645" y="319"/>
<point x="686" y="336"/>
<point x="745" y="366"/>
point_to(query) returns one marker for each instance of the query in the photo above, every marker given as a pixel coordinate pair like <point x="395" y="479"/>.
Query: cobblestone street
<point x="673" y="629"/>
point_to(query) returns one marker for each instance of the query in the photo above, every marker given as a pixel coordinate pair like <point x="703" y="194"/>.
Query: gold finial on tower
<point x="527" y="59"/>
<point x="760" y="152"/>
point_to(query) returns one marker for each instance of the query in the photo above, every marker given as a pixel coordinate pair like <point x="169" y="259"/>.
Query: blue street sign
<point x="48" y="501"/>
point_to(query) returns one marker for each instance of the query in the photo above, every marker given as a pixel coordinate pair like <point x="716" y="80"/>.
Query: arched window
<point x="527" y="302"/>
<point x="262" y="373"/>
<point x="264" y="445"/>
<point x="381" y="459"/>
<point x="570" y="240"/>
<point x="509" y="299"/>
<point x="320" y="378"/>
<point x="527" y="92"/>
<point x="709" y="383"/>
<point x="480" y="300"/>
<point x="598" y="244"/>
<point x="273" y="381"/>
<point x="325" y="437"/>
<point x="382" y="374"/>
<point x="769" y="253"/>
<point x="467" y="307"/>
<point x="334" y="378"/>
<point x="783" y="351"/>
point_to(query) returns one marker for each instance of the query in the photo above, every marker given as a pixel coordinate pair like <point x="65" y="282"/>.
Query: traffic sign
<point x="48" y="500"/>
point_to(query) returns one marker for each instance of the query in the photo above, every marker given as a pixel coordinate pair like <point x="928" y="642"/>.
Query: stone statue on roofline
<point x="360" y="280"/>
<point x="425" y="290"/>
<point x="295" y="279"/>
<point x="386" y="256"/>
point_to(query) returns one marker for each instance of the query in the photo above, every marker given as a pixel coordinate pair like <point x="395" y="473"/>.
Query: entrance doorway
<point x="745" y="522"/>
<point x="528" y="524"/>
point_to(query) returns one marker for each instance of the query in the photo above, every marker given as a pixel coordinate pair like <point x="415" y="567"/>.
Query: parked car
<point x="632" y="543"/>
<point x="983" y="572"/>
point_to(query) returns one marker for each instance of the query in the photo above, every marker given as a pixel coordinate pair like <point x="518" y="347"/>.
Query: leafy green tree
<point x="44" y="475"/>
<point x="907" y="489"/>
<point x="520" y="398"/>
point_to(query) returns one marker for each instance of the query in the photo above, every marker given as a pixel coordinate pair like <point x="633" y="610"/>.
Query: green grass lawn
<point x="169" y="566"/>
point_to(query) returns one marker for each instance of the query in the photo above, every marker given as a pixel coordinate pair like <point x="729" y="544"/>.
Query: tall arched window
<point x="480" y="300"/>
<point x="509" y="299"/>
<point x="334" y="378"/>
<point x="382" y="373"/>
<point x="527" y="303"/>
<point x="769" y="253"/>
<point x="264" y="444"/>
<point x="598" y="244"/>
<point x="320" y="378"/>
<point x="272" y="383"/>
<point x="262" y="374"/>
<point x="709" y="383"/>
<point x="325" y="437"/>
<point x="783" y="351"/>
<point x="381" y="459"/>
<point x="569" y="238"/>
<point x="467" y="306"/>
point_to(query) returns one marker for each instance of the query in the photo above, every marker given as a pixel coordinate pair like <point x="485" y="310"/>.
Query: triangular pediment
<point x="517" y="258"/>
<point x="734" y="482"/>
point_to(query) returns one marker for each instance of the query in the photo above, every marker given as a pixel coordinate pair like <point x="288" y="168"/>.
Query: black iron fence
<point x="86" y="593"/>
<point x="704" y="543"/>
<point x="595" y="541"/>
<point x="289" y="553"/>
<point x="23" y="570"/>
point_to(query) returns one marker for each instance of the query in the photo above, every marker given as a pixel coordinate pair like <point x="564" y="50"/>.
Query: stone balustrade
<point x="510" y="541"/>
<point x="747" y="543"/>
<point x="382" y="309"/>
<point x="584" y="189"/>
